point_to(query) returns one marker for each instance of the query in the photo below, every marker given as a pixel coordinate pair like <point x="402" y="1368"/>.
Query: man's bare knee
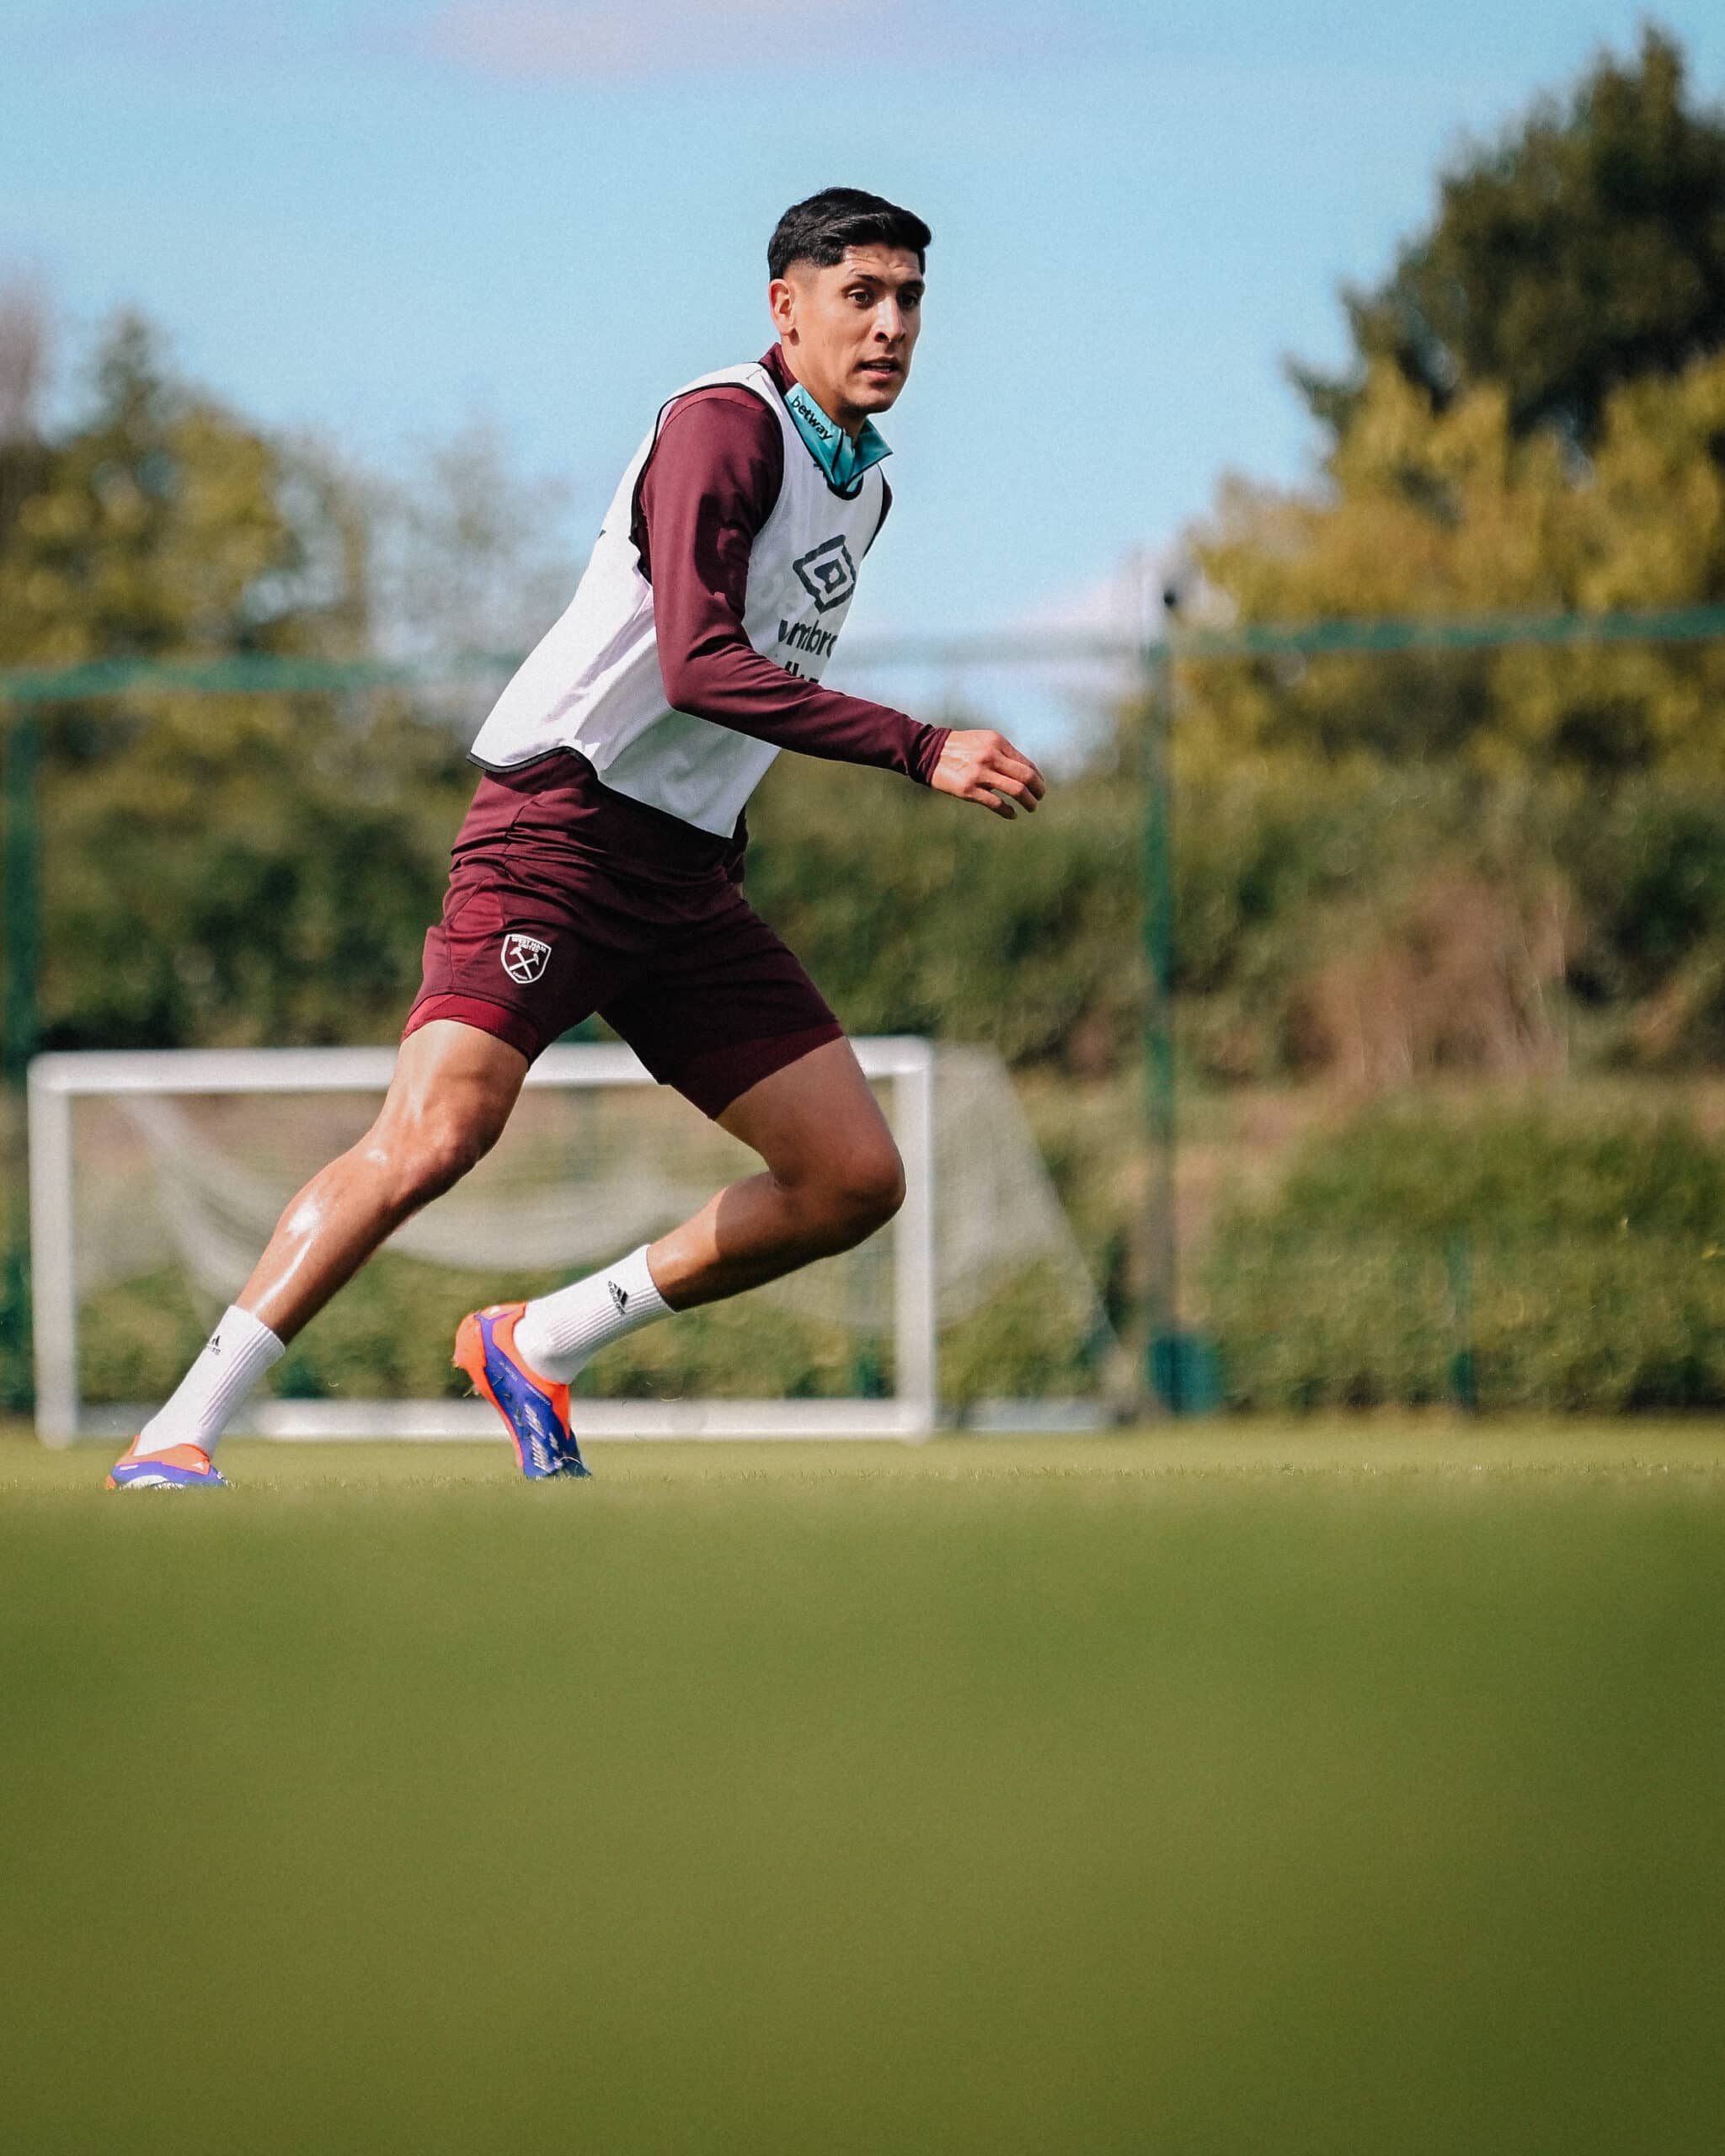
<point x="429" y="1153"/>
<point x="853" y="1193"/>
<point x="880" y="1192"/>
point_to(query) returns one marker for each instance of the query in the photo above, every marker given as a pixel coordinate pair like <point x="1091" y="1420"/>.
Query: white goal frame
<point x="56" y="1082"/>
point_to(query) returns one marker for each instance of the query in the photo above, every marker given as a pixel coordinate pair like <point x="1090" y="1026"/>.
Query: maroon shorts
<point x="565" y="899"/>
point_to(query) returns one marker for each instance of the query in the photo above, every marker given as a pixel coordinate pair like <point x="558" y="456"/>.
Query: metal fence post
<point x="1464" y="1382"/>
<point x="1163" y="1360"/>
<point x="20" y="901"/>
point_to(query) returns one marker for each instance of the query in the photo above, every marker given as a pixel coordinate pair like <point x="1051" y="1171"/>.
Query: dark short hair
<point x="820" y="229"/>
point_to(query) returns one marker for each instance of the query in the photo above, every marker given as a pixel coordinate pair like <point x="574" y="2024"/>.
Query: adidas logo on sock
<point x="620" y="1296"/>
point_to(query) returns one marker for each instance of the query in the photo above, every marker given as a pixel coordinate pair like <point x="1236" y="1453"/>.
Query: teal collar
<point x="843" y="461"/>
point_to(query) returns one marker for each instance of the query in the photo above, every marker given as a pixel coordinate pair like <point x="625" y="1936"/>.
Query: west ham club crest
<point x="523" y="957"/>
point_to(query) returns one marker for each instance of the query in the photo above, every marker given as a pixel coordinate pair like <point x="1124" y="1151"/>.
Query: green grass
<point x="1355" y="1787"/>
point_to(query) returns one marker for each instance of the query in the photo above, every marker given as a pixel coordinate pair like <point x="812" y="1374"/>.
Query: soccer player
<point x="599" y="867"/>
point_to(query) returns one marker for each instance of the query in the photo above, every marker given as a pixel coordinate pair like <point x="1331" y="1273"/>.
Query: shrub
<point x="1580" y="1264"/>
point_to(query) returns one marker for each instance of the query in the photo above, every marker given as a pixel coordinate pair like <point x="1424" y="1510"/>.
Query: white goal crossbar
<point x="57" y="1082"/>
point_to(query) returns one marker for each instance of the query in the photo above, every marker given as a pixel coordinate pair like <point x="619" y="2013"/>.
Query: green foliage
<point x="1580" y="1262"/>
<point x="252" y="870"/>
<point x="243" y="869"/>
<point x="1020" y="1345"/>
<point x="162" y="524"/>
<point x="1584" y="250"/>
<point x="1374" y="923"/>
<point x="1647" y="866"/>
<point x="1534" y="424"/>
<point x="388" y="1336"/>
<point x="1532" y="1171"/>
<point x="1434" y="513"/>
<point x="1387" y="925"/>
<point x="918" y="914"/>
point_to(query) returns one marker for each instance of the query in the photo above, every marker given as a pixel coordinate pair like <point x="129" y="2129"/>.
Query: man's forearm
<point x="726" y="681"/>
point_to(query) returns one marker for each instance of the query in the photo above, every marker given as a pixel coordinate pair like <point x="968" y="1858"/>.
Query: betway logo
<point x="803" y="635"/>
<point x="810" y="413"/>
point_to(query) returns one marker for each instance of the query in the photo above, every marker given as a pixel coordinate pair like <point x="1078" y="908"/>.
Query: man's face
<point x="850" y="329"/>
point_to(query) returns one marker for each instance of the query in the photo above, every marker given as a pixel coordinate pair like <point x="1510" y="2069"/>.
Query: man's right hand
<point x="979" y="765"/>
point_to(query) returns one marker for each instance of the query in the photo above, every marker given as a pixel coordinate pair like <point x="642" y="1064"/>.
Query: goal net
<point x="156" y="1176"/>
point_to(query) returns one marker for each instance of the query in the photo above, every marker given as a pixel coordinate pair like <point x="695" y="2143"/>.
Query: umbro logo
<point x="620" y="1296"/>
<point x="827" y="573"/>
<point x="523" y="957"/>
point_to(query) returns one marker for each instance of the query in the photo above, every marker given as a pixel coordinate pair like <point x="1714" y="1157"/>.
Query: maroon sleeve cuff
<point x="926" y="752"/>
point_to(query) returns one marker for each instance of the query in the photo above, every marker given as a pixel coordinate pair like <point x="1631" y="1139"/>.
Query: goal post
<point x="160" y="1153"/>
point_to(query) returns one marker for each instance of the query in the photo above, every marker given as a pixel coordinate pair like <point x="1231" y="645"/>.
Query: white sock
<point x="560" y="1334"/>
<point x="236" y="1355"/>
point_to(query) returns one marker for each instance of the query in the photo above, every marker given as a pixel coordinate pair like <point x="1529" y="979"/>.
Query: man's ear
<point x="782" y="300"/>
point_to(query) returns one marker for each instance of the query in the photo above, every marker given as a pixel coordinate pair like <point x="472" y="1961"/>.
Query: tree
<point x="465" y="552"/>
<point x="1433" y="511"/>
<point x="162" y="524"/>
<point x="24" y="346"/>
<point x="1584" y="250"/>
<point x="235" y="868"/>
<point x="259" y="867"/>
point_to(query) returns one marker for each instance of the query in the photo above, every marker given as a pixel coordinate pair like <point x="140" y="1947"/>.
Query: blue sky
<point x="375" y="219"/>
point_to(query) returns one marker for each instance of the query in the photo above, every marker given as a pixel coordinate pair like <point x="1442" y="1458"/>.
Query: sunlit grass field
<point x="1343" y="1787"/>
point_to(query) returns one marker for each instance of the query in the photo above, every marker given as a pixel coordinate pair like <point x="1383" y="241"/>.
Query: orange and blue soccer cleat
<point x="535" y="1411"/>
<point x="181" y="1467"/>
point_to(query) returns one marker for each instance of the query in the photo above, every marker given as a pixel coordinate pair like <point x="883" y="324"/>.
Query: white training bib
<point x="593" y="681"/>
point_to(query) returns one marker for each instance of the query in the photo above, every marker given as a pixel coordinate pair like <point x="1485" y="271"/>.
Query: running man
<point x="599" y="867"/>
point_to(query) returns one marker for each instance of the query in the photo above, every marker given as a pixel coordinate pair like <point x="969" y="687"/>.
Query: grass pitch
<point x="1350" y="1788"/>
